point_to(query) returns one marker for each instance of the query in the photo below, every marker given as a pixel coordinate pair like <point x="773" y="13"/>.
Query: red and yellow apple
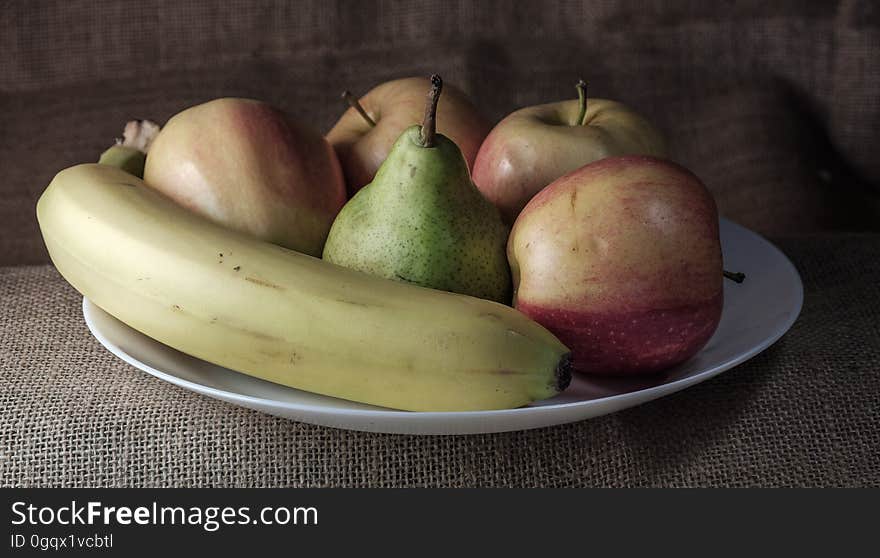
<point x="534" y="146"/>
<point x="364" y="134"/>
<point x="621" y="259"/>
<point x="245" y="165"/>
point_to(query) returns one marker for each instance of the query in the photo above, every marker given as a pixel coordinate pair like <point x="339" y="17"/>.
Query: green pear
<point x="423" y="220"/>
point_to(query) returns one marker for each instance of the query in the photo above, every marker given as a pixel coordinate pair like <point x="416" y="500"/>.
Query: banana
<point x="285" y="317"/>
<point x="130" y="152"/>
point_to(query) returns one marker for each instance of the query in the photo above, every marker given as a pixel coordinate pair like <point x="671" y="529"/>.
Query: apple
<point x="245" y="165"/>
<point x="534" y="146"/>
<point x="621" y="259"/>
<point x="365" y="133"/>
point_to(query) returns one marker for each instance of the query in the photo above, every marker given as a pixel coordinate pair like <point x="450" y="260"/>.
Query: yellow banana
<point x="283" y="316"/>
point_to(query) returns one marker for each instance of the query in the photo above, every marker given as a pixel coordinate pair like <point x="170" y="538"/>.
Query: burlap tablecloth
<point x="803" y="413"/>
<point x="774" y="105"/>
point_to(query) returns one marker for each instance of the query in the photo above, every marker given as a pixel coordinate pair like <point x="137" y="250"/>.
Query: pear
<point x="422" y="220"/>
<point x="248" y="166"/>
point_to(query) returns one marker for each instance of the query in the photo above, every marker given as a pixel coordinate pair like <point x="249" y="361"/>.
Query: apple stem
<point x="582" y="102"/>
<point x="356" y="105"/>
<point x="429" y="125"/>
<point x="736" y="277"/>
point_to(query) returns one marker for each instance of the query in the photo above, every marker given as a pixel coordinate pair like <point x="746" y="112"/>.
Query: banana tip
<point x="563" y="372"/>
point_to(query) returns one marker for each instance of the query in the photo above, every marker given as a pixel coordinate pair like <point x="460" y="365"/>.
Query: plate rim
<point x="643" y="395"/>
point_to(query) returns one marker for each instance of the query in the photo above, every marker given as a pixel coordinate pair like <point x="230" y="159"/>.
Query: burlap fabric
<point x="804" y="413"/>
<point x="774" y="104"/>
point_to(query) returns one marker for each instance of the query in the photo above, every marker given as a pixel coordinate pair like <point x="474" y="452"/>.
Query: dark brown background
<point x="776" y="105"/>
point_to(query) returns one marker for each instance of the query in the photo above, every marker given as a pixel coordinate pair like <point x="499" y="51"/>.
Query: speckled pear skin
<point x="422" y="220"/>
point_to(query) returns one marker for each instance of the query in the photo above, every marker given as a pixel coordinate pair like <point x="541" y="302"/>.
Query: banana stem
<point x="429" y="125"/>
<point x="130" y="151"/>
<point x="139" y="134"/>
<point x="356" y="105"/>
<point x="736" y="277"/>
<point x="582" y="102"/>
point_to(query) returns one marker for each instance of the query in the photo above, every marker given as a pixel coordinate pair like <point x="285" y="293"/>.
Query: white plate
<point x="756" y="313"/>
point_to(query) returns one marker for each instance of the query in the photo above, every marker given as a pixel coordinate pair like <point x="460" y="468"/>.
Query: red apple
<point x="364" y="134"/>
<point x="245" y="165"/>
<point x="621" y="259"/>
<point x="534" y="146"/>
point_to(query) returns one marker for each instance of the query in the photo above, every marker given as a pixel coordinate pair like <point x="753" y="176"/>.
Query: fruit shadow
<point x="669" y="437"/>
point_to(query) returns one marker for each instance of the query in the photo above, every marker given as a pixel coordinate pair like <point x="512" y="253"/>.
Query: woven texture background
<point x="776" y="105"/>
<point x="803" y="413"/>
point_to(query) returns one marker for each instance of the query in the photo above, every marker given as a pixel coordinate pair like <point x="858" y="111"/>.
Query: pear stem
<point x="429" y="125"/>
<point x="356" y="105"/>
<point x="582" y="102"/>
<point x="736" y="277"/>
